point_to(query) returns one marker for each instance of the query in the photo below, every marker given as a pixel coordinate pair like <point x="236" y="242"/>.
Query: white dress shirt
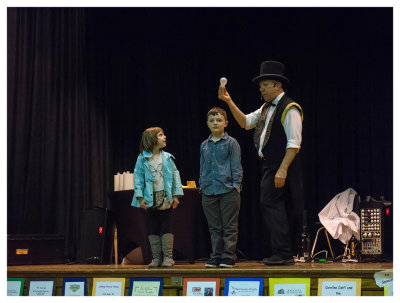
<point x="292" y="124"/>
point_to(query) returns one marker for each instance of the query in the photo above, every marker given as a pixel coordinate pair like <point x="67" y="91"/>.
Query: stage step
<point x="174" y="276"/>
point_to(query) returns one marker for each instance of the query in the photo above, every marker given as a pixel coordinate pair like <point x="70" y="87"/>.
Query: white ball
<point x="223" y="81"/>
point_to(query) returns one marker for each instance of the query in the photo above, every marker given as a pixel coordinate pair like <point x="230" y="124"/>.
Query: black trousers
<point x="158" y="221"/>
<point x="282" y="208"/>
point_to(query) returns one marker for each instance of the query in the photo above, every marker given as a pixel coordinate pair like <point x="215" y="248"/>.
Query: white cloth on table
<point x="338" y="217"/>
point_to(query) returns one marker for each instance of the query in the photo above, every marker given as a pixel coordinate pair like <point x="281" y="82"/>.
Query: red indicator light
<point x="387" y="211"/>
<point x="100" y="229"/>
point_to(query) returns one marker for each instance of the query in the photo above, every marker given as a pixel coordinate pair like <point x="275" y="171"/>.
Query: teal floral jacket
<point x="143" y="178"/>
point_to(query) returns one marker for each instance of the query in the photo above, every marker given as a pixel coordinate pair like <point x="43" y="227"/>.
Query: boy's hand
<point x="223" y="94"/>
<point x="238" y="190"/>
<point x="175" y="202"/>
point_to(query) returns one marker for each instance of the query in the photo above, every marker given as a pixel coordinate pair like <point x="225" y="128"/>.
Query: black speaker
<point x="96" y="237"/>
<point x="26" y="249"/>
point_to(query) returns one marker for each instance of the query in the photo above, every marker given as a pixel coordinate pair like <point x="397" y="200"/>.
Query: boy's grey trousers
<point x="222" y="213"/>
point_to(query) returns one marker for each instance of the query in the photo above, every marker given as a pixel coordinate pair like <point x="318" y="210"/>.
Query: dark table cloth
<point x="188" y="224"/>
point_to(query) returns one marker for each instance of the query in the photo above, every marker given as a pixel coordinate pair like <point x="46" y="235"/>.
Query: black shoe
<point x="278" y="260"/>
<point x="227" y="263"/>
<point x="213" y="263"/>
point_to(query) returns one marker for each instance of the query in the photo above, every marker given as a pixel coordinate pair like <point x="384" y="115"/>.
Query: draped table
<point x="188" y="224"/>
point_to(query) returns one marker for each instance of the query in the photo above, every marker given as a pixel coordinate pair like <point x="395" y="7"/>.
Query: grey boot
<point x="155" y="244"/>
<point x="167" y="243"/>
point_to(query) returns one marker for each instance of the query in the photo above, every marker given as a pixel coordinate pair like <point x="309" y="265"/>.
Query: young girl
<point x="157" y="188"/>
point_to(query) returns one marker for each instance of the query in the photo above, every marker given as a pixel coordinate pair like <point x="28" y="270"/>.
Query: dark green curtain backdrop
<point x="58" y="151"/>
<point x="83" y="83"/>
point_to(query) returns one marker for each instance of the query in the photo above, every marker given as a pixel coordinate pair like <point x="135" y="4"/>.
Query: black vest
<point x="274" y="146"/>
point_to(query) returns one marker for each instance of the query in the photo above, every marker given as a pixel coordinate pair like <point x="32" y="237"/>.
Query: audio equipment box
<point x="374" y="231"/>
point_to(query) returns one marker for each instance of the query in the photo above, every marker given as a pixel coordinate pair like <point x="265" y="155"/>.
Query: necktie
<point x="260" y="123"/>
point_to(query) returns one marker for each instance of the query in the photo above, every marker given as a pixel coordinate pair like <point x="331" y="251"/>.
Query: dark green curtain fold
<point x="57" y="142"/>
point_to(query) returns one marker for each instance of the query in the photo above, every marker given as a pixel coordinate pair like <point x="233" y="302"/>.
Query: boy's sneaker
<point x="213" y="263"/>
<point x="227" y="262"/>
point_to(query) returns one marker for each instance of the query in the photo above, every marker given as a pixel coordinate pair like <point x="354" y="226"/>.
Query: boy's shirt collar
<point x="225" y="136"/>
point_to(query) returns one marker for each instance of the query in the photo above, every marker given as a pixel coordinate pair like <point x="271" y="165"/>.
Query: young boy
<point x="220" y="182"/>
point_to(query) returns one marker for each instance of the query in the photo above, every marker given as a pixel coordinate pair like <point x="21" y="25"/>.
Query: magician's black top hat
<point x="271" y="70"/>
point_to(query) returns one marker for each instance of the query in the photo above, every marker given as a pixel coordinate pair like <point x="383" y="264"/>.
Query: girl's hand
<point x="143" y="204"/>
<point x="175" y="202"/>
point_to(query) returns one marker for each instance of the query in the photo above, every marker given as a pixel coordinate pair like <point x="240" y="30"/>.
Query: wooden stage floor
<point x="184" y="268"/>
<point x="173" y="276"/>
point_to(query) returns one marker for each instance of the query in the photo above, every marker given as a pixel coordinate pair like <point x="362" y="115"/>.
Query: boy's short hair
<point x="149" y="139"/>
<point x="217" y="110"/>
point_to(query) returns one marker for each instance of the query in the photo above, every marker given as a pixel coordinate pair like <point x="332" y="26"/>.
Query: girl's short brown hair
<point x="149" y="139"/>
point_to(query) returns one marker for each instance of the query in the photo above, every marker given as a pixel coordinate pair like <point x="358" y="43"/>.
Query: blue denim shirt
<point x="220" y="167"/>
<point x="143" y="178"/>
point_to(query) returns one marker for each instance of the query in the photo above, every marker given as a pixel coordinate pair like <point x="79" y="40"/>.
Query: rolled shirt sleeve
<point x="252" y="118"/>
<point x="293" y="128"/>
